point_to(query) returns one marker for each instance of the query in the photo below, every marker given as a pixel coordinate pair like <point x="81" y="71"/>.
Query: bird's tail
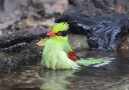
<point x="94" y="61"/>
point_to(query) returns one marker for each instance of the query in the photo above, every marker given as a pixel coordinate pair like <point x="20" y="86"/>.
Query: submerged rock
<point x="102" y="32"/>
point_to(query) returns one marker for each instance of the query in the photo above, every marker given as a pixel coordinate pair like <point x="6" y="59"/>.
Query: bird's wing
<point x="72" y="56"/>
<point x="70" y="52"/>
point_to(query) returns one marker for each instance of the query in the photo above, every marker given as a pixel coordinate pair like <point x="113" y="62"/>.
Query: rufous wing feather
<point x="73" y="56"/>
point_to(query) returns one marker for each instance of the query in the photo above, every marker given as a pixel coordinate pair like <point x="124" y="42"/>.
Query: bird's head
<point x="60" y="30"/>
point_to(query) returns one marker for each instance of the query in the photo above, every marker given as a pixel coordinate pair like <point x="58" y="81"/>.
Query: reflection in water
<point x="112" y="76"/>
<point x="123" y="86"/>
<point x="56" y="79"/>
<point x="104" y="63"/>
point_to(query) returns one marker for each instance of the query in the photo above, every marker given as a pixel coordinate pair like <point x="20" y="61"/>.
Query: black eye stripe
<point x="59" y="33"/>
<point x="63" y="33"/>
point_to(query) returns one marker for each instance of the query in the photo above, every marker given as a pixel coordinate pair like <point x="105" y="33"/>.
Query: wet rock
<point x="125" y="43"/>
<point x="102" y="32"/>
<point x="18" y="46"/>
<point x="98" y="7"/>
<point x="26" y="34"/>
<point x="78" y="42"/>
<point x="13" y="58"/>
<point x="14" y="61"/>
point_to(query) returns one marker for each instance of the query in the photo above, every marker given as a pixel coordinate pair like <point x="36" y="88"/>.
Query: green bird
<point x="58" y="54"/>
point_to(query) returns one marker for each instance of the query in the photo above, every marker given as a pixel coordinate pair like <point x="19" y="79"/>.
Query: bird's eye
<point x="59" y="33"/>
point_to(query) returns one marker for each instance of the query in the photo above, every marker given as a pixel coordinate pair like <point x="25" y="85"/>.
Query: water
<point x="111" y="76"/>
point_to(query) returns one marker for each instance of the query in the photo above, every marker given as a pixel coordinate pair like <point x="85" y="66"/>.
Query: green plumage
<point x="55" y="53"/>
<point x="55" y="56"/>
<point x="88" y="62"/>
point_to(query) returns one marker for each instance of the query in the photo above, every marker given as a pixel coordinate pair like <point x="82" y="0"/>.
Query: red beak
<point x="51" y="34"/>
